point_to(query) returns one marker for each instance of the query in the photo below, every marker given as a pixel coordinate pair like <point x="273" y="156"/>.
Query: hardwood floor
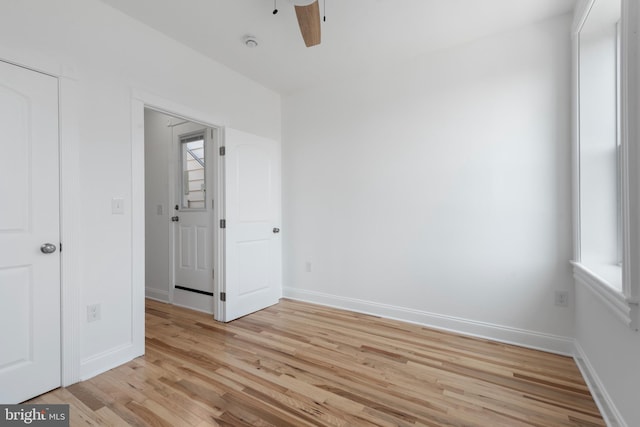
<point x="298" y="364"/>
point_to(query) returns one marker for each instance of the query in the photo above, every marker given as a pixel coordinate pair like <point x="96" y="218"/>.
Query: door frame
<point x="139" y="101"/>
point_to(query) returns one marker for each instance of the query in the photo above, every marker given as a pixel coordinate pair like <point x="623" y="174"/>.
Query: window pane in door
<point x="193" y="172"/>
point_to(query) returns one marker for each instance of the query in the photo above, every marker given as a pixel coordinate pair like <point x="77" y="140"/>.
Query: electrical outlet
<point x="562" y="298"/>
<point x="93" y="312"/>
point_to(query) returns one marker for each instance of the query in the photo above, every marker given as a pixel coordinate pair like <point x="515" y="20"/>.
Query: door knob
<point x="175" y="218"/>
<point x="48" y="248"/>
<point x="276" y="230"/>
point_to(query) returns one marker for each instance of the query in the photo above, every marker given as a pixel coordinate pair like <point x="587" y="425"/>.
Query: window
<point x="193" y="168"/>
<point x="599" y="146"/>
<point x="606" y="148"/>
<point x="619" y="153"/>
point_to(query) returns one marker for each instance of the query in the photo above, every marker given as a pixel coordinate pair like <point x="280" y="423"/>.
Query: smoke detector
<point x="250" y="41"/>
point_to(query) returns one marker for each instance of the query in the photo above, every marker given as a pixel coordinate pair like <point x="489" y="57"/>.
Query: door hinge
<point x="223" y="151"/>
<point x="213" y="273"/>
<point x="211" y="130"/>
<point x="223" y="296"/>
<point x="60" y="246"/>
<point x="223" y="223"/>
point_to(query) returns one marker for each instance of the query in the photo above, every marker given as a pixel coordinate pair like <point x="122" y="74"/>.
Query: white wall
<point x="110" y="55"/>
<point x="157" y="147"/>
<point x="438" y="190"/>
<point x="611" y="349"/>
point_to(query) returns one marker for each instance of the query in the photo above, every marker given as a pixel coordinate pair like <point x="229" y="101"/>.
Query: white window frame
<point x="624" y="304"/>
<point x="182" y="139"/>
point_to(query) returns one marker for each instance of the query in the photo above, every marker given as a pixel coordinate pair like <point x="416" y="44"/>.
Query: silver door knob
<point x="48" y="248"/>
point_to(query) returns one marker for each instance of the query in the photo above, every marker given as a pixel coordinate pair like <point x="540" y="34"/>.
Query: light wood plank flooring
<point x="298" y="364"/>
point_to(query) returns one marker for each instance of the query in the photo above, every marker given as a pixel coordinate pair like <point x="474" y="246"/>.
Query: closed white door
<point x="193" y="236"/>
<point x="253" y="277"/>
<point x="29" y="234"/>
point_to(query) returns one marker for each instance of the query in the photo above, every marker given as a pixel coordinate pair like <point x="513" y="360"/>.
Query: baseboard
<point x="102" y="362"/>
<point x="520" y="337"/>
<point x="157" y="294"/>
<point x="607" y="407"/>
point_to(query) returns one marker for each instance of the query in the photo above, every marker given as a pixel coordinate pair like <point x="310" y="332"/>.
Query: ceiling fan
<point x="308" y="14"/>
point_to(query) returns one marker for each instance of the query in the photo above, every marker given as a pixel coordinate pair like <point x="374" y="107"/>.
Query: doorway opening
<point x="180" y="237"/>
<point x="243" y="194"/>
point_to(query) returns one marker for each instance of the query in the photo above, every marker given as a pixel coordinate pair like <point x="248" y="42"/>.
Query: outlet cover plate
<point x="93" y="312"/>
<point x="562" y="298"/>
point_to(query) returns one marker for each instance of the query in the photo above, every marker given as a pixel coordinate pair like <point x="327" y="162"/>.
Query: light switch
<point x="159" y="209"/>
<point x="117" y="206"/>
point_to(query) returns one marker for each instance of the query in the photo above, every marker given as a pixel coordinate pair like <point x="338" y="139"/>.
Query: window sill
<point x="605" y="282"/>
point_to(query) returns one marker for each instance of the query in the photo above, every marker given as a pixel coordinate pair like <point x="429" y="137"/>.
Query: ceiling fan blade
<point x="309" y="22"/>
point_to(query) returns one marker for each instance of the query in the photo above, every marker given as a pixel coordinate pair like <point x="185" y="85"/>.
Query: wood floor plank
<point x="298" y="364"/>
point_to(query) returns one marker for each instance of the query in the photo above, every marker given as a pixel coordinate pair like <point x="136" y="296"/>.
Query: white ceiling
<point x="357" y="35"/>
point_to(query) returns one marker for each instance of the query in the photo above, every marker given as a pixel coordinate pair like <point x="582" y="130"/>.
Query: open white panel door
<point x="253" y="269"/>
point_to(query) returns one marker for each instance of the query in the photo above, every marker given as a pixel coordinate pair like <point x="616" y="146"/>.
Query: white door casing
<point x="193" y="248"/>
<point x="29" y="217"/>
<point x="253" y="270"/>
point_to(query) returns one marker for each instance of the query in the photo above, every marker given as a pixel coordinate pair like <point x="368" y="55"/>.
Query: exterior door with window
<point x="193" y="255"/>
<point x="29" y="234"/>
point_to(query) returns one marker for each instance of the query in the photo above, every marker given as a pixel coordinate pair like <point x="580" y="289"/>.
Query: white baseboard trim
<point x="157" y="294"/>
<point x="520" y="337"/>
<point x="607" y="407"/>
<point x="102" y="362"/>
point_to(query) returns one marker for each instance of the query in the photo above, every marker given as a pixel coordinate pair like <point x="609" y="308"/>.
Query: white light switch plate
<point x="117" y="206"/>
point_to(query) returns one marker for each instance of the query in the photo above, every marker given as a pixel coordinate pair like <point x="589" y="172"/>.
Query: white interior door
<point x="29" y="218"/>
<point x="252" y="214"/>
<point x="193" y="254"/>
